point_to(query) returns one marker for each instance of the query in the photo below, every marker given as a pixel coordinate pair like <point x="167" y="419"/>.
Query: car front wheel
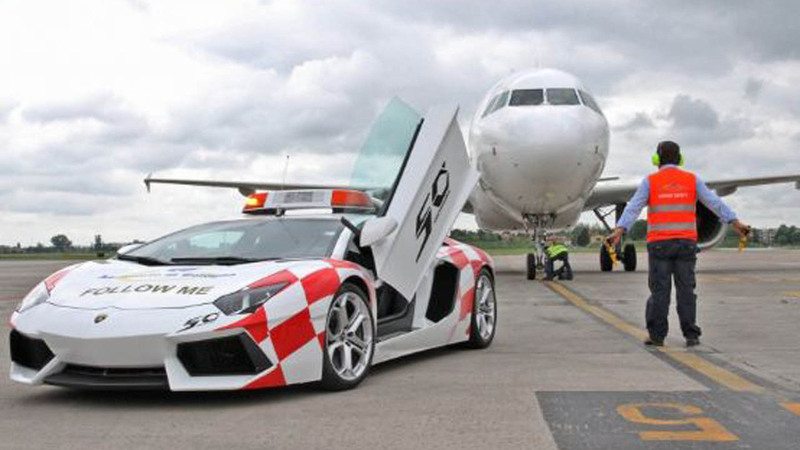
<point x="349" y="340"/>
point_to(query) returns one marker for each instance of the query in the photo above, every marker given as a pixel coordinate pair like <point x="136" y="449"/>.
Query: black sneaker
<point x="692" y="342"/>
<point x="650" y="342"/>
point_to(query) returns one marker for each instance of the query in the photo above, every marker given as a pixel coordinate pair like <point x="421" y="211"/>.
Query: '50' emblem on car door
<point x="440" y="191"/>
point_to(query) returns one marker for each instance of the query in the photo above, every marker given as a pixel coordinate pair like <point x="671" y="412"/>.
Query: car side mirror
<point x="376" y="230"/>
<point x="128" y="248"/>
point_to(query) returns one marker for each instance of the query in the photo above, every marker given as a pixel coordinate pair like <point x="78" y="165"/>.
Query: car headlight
<point x="247" y="300"/>
<point x="42" y="291"/>
<point x="36" y="296"/>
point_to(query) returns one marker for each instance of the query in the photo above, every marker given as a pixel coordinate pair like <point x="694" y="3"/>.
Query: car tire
<point x="483" y="321"/>
<point x="343" y="335"/>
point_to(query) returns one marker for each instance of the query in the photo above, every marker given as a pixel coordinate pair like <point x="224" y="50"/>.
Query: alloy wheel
<point x="349" y="336"/>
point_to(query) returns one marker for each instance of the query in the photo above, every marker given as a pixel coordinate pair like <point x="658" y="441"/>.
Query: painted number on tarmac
<point x="707" y="429"/>
<point x="793" y="408"/>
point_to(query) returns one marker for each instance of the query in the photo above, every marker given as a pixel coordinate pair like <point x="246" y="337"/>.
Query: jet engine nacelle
<point x="710" y="230"/>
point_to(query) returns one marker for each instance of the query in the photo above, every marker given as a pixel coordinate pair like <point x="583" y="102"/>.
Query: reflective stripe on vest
<point x="668" y="208"/>
<point x="672" y="226"/>
<point x="671" y="212"/>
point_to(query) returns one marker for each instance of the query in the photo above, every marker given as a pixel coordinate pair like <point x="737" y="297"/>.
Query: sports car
<point x="311" y="286"/>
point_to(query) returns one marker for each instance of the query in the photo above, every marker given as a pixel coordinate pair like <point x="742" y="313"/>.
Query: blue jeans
<point x="565" y="269"/>
<point x="668" y="260"/>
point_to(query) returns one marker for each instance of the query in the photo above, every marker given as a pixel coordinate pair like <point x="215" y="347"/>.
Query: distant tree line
<point x="787" y="235"/>
<point x="60" y="243"/>
<point x="490" y="239"/>
<point x="581" y="236"/>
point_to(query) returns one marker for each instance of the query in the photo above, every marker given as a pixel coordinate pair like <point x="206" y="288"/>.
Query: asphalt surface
<point x="566" y="370"/>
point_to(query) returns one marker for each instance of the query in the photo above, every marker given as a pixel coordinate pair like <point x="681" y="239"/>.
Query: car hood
<point x="128" y="285"/>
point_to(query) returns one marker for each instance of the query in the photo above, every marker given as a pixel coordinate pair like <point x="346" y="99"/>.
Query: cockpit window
<point x="501" y="102"/>
<point x="498" y="102"/>
<point x="562" y="96"/>
<point x="589" y="101"/>
<point x="527" y="97"/>
<point x="489" y="107"/>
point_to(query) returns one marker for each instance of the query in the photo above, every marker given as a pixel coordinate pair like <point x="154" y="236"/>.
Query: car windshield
<point x="241" y="241"/>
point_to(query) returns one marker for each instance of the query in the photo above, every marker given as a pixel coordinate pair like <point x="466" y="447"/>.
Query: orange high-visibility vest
<point x="671" y="209"/>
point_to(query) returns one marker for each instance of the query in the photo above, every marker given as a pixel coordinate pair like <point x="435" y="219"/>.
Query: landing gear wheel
<point x="484" y="313"/>
<point x="629" y="258"/>
<point x="606" y="264"/>
<point x="530" y="265"/>
<point x="349" y="343"/>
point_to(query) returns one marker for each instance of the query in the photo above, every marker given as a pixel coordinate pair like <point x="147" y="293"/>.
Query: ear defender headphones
<point x="656" y="158"/>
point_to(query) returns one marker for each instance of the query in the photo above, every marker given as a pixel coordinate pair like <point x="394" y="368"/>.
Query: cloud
<point x="752" y="88"/>
<point x="54" y="203"/>
<point x="696" y="122"/>
<point x="103" y="107"/>
<point x="227" y="90"/>
<point x="6" y="107"/>
<point x="641" y="121"/>
<point x="687" y="112"/>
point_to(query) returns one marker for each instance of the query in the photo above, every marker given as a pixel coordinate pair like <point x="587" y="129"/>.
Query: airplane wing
<point x="247" y="187"/>
<point x="607" y="193"/>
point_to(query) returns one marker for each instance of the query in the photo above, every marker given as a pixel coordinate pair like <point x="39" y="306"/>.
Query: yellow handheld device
<point x="743" y="239"/>
<point x="611" y="252"/>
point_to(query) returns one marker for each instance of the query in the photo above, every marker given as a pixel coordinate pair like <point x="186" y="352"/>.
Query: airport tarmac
<point x="567" y="370"/>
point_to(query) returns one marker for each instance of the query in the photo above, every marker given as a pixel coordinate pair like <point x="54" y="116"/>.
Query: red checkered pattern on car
<point x="291" y="330"/>
<point x="470" y="261"/>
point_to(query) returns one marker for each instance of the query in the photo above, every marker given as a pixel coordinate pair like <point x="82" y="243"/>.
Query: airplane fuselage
<point x="540" y="143"/>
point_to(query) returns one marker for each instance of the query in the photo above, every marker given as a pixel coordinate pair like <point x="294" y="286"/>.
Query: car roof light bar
<point x="276" y="202"/>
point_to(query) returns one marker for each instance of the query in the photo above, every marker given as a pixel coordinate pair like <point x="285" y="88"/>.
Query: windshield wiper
<point x="221" y="260"/>
<point x="143" y="260"/>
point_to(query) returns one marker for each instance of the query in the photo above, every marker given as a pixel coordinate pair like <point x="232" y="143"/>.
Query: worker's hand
<point x="615" y="236"/>
<point x="740" y="228"/>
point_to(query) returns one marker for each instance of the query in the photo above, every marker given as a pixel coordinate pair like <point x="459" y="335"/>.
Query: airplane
<point x="540" y="142"/>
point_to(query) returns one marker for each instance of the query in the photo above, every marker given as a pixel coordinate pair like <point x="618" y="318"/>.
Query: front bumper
<point x="135" y="349"/>
<point x="99" y="378"/>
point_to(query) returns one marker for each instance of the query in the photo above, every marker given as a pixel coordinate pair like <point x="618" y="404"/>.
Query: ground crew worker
<point x="671" y="195"/>
<point x="556" y="251"/>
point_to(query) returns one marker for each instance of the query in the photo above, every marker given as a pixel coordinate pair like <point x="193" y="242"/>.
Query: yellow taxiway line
<point x="691" y="360"/>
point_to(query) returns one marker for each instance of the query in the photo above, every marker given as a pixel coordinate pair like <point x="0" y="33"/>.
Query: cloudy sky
<point x="96" y="94"/>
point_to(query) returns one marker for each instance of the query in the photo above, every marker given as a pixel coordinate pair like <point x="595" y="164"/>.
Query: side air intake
<point x="29" y="352"/>
<point x="232" y="355"/>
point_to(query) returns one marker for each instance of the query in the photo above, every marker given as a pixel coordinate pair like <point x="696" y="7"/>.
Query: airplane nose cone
<point x="543" y="160"/>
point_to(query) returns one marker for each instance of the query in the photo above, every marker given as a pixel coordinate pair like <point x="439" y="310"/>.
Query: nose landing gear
<point x="535" y="261"/>
<point x="531" y="265"/>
